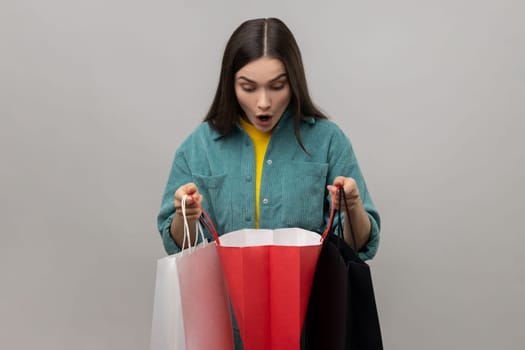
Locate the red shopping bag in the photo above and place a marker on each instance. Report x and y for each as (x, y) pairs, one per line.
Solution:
(269, 275)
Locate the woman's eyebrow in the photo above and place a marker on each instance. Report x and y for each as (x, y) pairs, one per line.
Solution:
(271, 81)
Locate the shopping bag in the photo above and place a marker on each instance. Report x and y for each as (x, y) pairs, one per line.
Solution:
(191, 307)
(268, 274)
(205, 304)
(167, 329)
(325, 325)
(342, 312)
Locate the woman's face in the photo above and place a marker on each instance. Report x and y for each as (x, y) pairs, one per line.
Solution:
(263, 92)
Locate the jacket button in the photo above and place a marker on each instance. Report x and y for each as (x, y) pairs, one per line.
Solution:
(265, 201)
(269, 162)
(248, 178)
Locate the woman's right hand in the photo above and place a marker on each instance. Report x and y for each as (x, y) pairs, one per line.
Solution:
(193, 211)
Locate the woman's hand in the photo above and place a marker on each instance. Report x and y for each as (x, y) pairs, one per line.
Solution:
(361, 225)
(351, 192)
(193, 211)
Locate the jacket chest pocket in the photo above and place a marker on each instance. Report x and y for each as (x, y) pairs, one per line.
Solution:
(303, 195)
(216, 199)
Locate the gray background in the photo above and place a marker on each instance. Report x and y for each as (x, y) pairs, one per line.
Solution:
(95, 96)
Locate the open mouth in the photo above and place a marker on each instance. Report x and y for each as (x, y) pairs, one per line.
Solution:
(264, 117)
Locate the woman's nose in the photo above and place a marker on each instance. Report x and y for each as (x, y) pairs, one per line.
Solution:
(264, 102)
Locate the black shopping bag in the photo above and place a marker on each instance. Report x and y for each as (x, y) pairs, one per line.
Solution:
(342, 312)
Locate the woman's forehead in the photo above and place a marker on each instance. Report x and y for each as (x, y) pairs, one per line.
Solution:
(262, 70)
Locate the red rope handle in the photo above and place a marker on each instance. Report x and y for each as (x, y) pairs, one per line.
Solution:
(330, 222)
(206, 221)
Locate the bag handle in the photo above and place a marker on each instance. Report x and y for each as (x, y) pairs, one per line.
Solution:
(341, 194)
(330, 223)
(208, 223)
(198, 228)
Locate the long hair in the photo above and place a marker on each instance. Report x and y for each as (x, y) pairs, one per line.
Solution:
(253, 39)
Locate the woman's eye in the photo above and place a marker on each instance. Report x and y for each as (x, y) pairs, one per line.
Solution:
(278, 87)
(248, 88)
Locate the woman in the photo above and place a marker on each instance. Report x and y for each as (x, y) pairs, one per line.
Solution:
(265, 156)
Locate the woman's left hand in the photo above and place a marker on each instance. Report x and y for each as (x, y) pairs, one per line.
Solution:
(351, 192)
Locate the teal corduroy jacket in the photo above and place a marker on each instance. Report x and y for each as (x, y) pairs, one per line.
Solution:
(293, 183)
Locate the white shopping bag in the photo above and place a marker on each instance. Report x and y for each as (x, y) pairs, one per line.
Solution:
(191, 307)
(167, 329)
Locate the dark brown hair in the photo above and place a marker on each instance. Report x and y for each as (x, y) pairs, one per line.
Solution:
(254, 39)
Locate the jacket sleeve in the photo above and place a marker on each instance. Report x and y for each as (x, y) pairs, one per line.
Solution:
(179, 175)
(343, 162)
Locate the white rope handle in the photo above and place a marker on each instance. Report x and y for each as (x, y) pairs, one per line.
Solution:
(186, 226)
(198, 229)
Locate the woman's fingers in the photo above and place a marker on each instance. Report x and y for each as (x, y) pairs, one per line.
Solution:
(193, 210)
(351, 191)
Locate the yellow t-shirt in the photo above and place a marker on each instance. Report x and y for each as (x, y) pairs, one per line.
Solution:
(260, 142)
